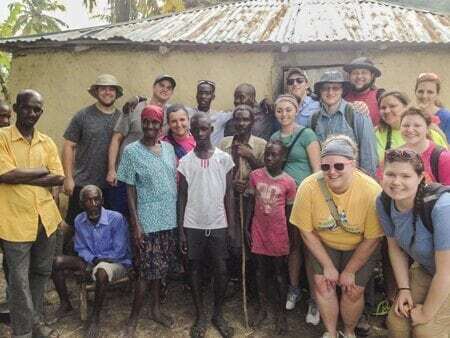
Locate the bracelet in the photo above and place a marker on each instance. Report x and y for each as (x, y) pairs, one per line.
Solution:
(400, 289)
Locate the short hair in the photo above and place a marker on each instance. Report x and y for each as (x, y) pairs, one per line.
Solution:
(87, 188)
(200, 115)
(247, 86)
(244, 107)
(279, 143)
(430, 77)
(174, 108)
(26, 93)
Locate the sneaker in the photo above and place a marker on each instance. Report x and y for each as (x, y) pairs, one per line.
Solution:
(328, 335)
(346, 335)
(293, 297)
(313, 314)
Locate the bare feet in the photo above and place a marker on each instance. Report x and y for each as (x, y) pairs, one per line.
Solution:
(260, 316)
(64, 310)
(162, 319)
(225, 330)
(198, 330)
(93, 330)
(281, 327)
(130, 329)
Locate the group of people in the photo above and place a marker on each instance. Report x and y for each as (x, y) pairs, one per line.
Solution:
(323, 185)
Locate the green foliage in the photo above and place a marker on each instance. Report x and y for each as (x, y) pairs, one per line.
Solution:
(27, 17)
(126, 10)
(33, 17)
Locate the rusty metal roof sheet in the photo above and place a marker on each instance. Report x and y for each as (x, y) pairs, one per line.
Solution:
(293, 22)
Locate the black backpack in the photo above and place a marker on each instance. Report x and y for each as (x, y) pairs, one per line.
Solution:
(431, 195)
(434, 161)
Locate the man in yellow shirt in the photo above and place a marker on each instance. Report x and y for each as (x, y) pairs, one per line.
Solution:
(335, 212)
(29, 166)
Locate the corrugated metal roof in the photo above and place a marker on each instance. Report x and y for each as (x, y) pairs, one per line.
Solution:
(266, 22)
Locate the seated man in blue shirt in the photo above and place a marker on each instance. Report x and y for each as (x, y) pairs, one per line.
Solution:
(102, 243)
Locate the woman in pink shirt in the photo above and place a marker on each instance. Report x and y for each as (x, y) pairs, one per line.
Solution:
(414, 129)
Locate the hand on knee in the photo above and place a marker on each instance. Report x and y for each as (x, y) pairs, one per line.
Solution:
(353, 294)
(322, 288)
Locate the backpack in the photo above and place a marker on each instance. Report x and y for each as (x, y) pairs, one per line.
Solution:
(431, 195)
(434, 161)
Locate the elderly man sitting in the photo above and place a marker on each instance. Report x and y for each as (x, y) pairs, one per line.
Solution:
(102, 243)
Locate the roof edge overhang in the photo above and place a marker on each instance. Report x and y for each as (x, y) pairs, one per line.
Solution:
(86, 45)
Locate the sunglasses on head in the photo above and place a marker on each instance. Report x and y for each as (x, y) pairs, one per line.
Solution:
(299, 80)
(337, 166)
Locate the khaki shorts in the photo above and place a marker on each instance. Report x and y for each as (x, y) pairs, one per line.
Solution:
(340, 260)
(438, 327)
(115, 271)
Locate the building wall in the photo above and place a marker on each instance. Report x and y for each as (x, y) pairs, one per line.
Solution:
(63, 77)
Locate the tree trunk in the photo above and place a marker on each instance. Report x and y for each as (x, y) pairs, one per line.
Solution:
(122, 11)
(4, 88)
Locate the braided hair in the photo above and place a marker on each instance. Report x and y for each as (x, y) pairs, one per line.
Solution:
(418, 203)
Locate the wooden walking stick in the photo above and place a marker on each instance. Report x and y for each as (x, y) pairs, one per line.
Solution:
(241, 214)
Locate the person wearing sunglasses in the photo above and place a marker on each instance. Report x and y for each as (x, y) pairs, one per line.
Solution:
(335, 212)
(297, 84)
(422, 306)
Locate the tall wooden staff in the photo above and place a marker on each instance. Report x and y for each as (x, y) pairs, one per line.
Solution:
(241, 214)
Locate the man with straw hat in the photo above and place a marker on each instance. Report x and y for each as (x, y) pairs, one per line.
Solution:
(86, 142)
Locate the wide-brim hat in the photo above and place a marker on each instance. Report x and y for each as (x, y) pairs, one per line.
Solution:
(362, 63)
(165, 77)
(332, 76)
(106, 80)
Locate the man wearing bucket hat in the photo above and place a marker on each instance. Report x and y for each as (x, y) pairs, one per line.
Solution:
(297, 84)
(335, 212)
(86, 142)
(362, 74)
(128, 129)
(337, 116)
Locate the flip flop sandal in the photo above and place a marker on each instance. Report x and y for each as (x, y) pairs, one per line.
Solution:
(221, 325)
(198, 330)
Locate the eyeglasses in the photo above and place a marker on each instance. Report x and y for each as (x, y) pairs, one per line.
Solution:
(326, 88)
(339, 166)
(297, 80)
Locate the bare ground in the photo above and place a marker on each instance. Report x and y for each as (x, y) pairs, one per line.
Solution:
(179, 305)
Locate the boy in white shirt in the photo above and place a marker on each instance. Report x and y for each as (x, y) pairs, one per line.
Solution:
(206, 219)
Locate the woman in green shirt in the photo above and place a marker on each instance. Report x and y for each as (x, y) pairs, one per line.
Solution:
(392, 105)
(303, 159)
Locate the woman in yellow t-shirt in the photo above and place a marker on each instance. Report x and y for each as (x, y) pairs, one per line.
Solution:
(335, 212)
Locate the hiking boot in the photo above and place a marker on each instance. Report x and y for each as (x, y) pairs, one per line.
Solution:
(313, 314)
(293, 297)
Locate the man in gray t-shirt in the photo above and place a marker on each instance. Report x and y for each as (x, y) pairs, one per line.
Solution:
(86, 142)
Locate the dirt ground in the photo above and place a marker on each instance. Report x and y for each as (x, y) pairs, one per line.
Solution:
(179, 305)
